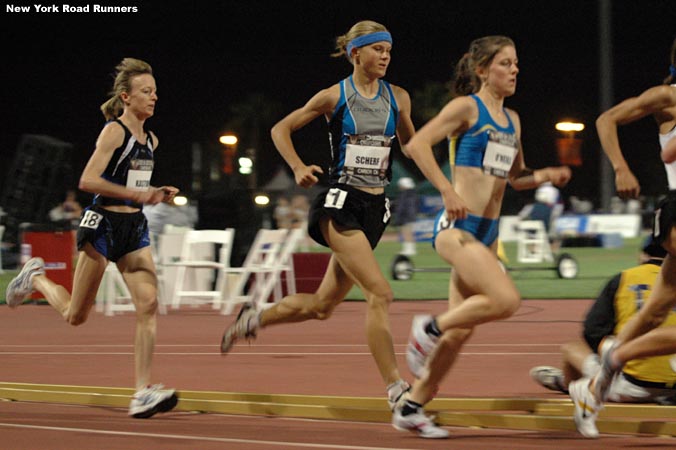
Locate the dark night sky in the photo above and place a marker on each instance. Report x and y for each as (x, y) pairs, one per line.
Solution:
(206, 56)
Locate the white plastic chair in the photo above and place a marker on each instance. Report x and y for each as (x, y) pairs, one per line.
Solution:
(533, 242)
(260, 266)
(283, 264)
(114, 296)
(168, 251)
(193, 259)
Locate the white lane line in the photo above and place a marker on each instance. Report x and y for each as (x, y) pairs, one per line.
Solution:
(195, 438)
(253, 345)
(265, 353)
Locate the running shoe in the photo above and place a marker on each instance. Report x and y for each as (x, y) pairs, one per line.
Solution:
(586, 408)
(418, 423)
(396, 392)
(605, 376)
(420, 346)
(245, 326)
(549, 377)
(21, 286)
(152, 400)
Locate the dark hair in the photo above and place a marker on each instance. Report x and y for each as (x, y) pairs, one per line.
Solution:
(672, 78)
(480, 54)
(653, 248)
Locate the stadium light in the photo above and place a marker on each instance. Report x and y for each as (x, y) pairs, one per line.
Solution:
(262, 200)
(569, 147)
(228, 139)
(180, 200)
(570, 126)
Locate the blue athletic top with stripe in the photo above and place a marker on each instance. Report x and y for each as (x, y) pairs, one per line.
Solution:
(469, 148)
(131, 165)
(361, 132)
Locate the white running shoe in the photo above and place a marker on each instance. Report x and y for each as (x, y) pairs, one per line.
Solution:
(21, 286)
(245, 326)
(605, 376)
(152, 400)
(420, 346)
(419, 423)
(396, 392)
(586, 408)
(549, 377)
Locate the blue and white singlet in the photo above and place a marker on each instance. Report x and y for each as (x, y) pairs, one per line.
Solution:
(131, 166)
(361, 131)
(486, 144)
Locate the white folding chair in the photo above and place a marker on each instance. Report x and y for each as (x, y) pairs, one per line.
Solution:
(283, 264)
(260, 263)
(193, 259)
(168, 251)
(533, 242)
(114, 296)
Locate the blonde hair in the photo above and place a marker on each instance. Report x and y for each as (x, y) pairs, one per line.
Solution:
(480, 54)
(127, 69)
(358, 29)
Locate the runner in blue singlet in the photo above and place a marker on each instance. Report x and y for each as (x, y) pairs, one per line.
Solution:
(486, 155)
(114, 229)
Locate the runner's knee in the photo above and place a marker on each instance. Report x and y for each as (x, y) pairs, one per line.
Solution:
(507, 304)
(380, 297)
(147, 306)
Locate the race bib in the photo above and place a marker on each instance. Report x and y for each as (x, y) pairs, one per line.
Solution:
(366, 160)
(139, 174)
(91, 219)
(443, 222)
(139, 180)
(335, 198)
(498, 159)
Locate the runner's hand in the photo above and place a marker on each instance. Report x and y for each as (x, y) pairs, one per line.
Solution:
(454, 205)
(305, 175)
(626, 184)
(169, 193)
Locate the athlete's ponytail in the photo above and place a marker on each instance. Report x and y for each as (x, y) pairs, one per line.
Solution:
(480, 55)
(358, 29)
(125, 71)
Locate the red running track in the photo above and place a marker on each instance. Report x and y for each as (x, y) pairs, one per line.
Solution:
(320, 358)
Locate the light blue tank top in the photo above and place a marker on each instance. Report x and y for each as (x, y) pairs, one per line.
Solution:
(469, 149)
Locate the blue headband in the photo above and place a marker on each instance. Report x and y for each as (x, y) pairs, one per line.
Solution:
(672, 71)
(368, 39)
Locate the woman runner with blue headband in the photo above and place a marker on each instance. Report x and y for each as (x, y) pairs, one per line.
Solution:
(365, 115)
(640, 338)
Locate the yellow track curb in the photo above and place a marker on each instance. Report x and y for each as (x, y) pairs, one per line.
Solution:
(522, 414)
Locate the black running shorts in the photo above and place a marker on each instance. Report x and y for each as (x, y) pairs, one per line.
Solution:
(352, 209)
(111, 233)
